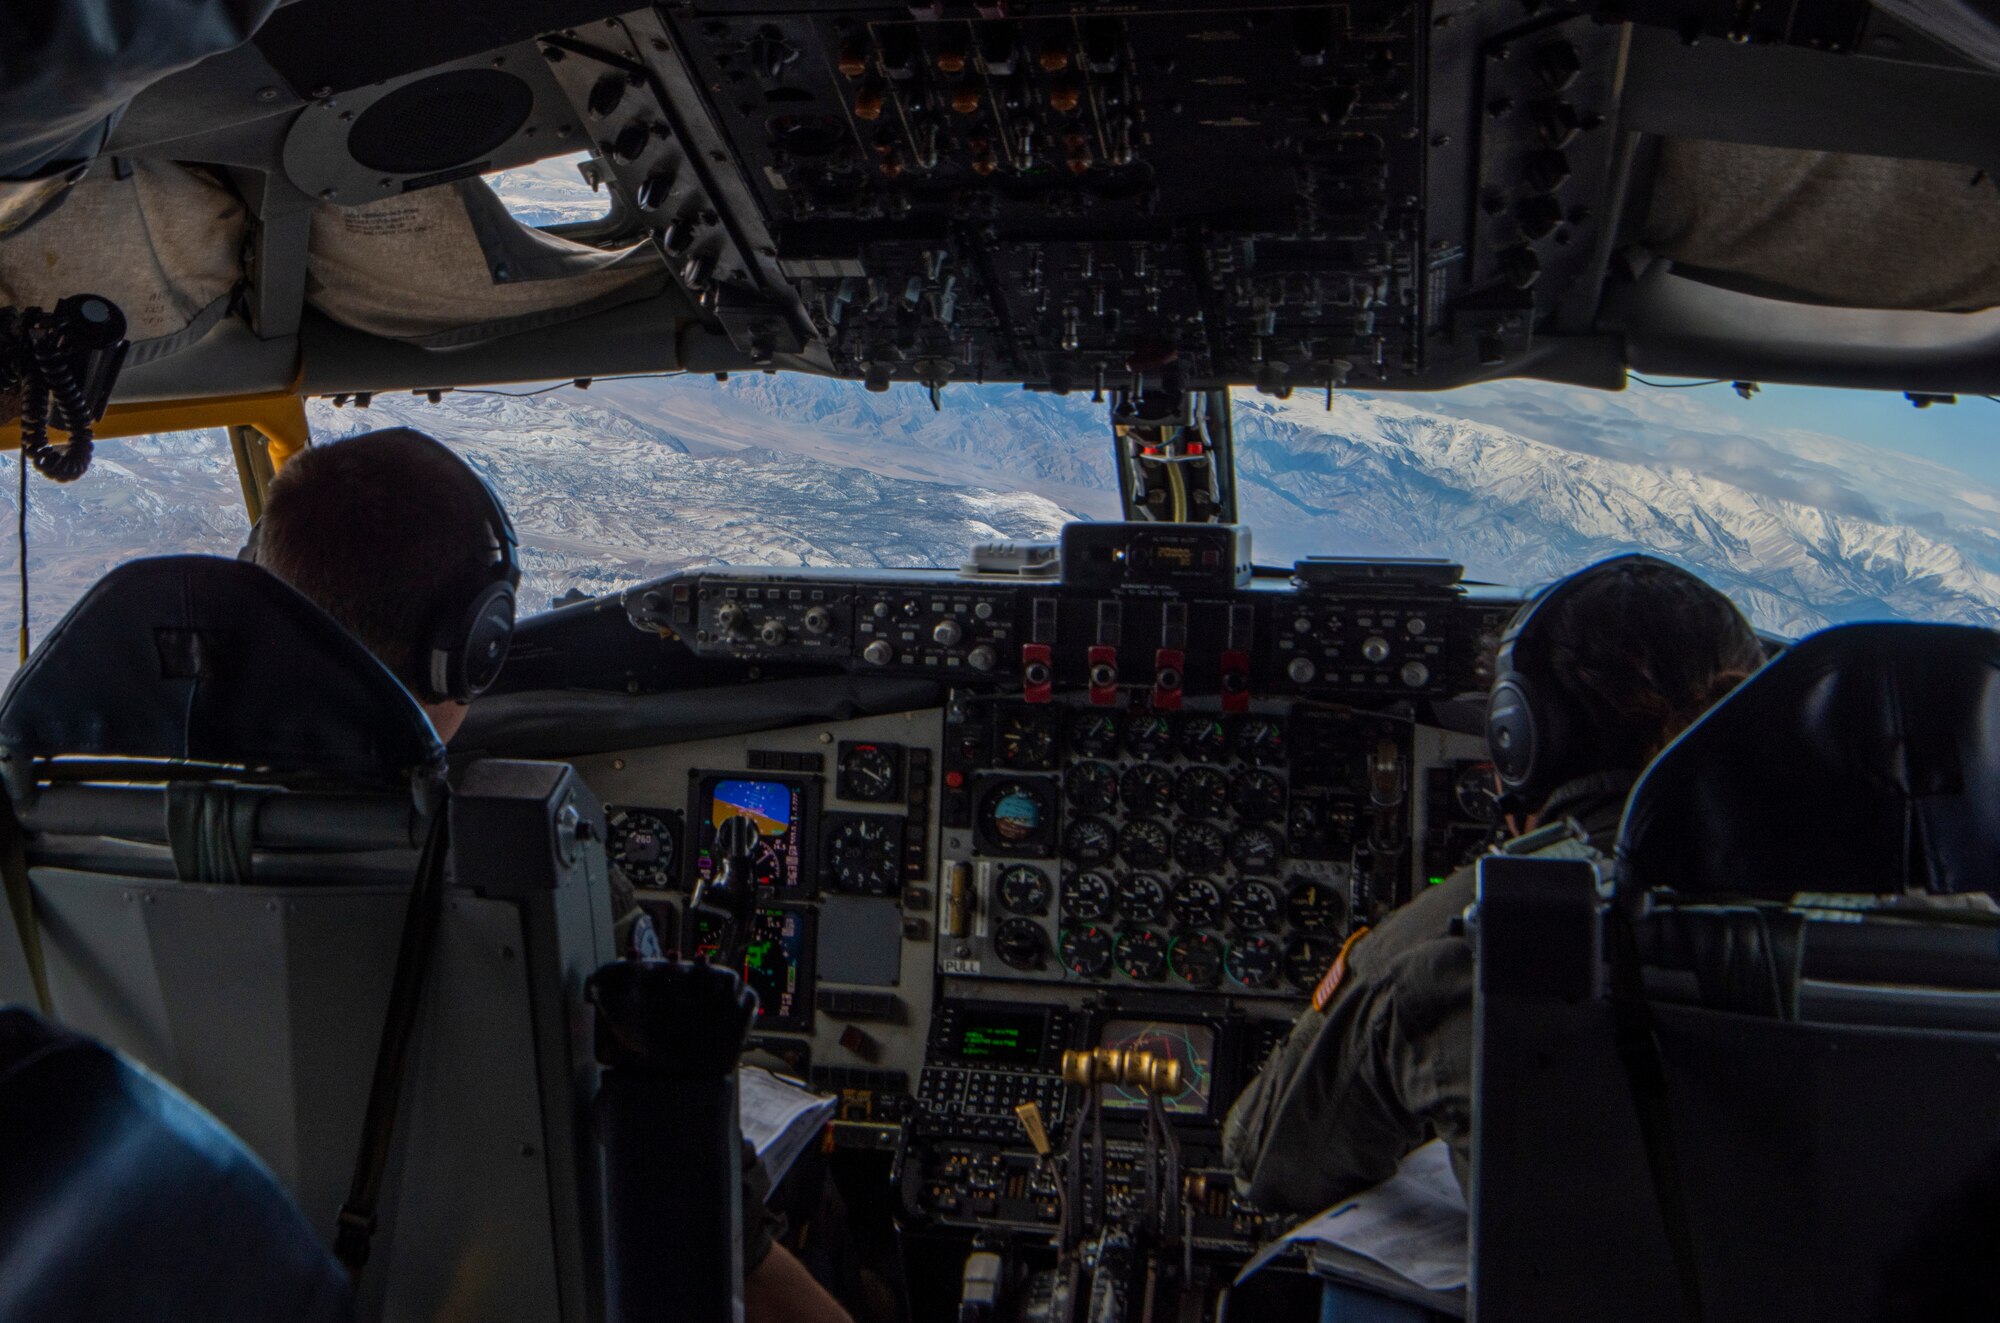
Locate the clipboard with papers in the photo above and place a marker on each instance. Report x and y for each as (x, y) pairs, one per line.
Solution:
(1407, 1238)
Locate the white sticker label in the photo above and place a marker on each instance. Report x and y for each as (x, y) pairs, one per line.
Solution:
(959, 966)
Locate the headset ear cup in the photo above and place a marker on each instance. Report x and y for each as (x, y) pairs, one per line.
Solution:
(1512, 736)
(488, 637)
(467, 651)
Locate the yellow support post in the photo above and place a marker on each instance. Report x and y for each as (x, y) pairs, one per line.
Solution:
(279, 415)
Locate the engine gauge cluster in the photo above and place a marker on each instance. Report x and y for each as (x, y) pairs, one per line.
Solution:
(1176, 851)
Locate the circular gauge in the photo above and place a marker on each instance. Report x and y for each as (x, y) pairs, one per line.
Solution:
(1478, 798)
(1203, 738)
(1027, 738)
(1086, 951)
(1262, 741)
(1253, 962)
(1314, 907)
(1086, 896)
(1142, 955)
(1201, 792)
(1256, 850)
(1258, 797)
(641, 846)
(1253, 907)
(1091, 787)
(1199, 847)
(1141, 898)
(1308, 958)
(1144, 844)
(1146, 736)
(1025, 890)
(1017, 817)
(1196, 958)
(1094, 734)
(1021, 943)
(864, 854)
(1196, 902)
(1090, 841)
(1147, 790)
(868, 772)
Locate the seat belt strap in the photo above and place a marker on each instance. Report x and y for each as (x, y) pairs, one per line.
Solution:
(21, 901)
(356, 1224)
(1646, 1073)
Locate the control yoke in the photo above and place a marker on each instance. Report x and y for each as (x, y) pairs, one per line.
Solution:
(729, 897)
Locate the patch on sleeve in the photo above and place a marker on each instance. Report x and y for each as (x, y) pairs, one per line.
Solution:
(1336, 973)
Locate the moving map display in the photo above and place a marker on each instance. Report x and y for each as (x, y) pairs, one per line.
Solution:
(1193, 1045)
(782, 816)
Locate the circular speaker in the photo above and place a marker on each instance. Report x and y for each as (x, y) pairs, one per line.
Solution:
(441, 122)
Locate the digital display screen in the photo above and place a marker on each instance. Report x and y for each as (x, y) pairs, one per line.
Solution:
(1193, 1045)
(999, 1038)
(780, 813)
(777, 964)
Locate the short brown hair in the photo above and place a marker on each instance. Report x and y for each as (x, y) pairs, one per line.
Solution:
(378, 529)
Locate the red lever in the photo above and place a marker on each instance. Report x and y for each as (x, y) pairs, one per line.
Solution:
(1037, 674)
(1103, 675)
(1235, 682)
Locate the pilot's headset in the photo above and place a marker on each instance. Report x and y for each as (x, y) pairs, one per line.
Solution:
(474, 624)
(1539, 733)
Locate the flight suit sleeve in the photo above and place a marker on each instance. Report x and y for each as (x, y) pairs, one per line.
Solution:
(1365, 1077)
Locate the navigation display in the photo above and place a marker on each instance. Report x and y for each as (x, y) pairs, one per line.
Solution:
(1193, 1045)
(777, 964)
(998, 1038)
(782, 813)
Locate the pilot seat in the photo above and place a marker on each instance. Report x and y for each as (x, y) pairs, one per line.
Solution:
(237, 858)
(1753, 1071)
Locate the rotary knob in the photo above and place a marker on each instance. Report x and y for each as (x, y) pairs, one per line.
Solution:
(818, 620)
(1301, 670)
(878, 653)
(1416, 675)
(771, 633)
(729, 618)
(1375, 648)
(948, 633)
(982, 658)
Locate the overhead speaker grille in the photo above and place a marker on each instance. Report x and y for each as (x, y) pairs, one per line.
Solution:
(441, 123)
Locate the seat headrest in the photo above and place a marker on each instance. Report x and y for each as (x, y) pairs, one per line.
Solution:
(202, 659)
(1865, 760)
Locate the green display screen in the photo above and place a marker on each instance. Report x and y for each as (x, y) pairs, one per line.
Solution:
(1000, 1038)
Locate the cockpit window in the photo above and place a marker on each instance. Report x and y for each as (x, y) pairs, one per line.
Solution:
(160, 495)
(1809, 506)
(557, 192)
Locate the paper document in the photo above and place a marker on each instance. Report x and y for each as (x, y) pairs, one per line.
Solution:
(1415, 1224)
(778, 1117)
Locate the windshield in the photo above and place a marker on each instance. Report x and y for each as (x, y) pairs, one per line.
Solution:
(1808, 506)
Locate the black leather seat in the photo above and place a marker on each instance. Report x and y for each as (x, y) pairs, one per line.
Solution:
(120, 1199)
(1864, 760)
(1762, 1027)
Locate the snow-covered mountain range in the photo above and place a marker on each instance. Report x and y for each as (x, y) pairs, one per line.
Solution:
(634, 478)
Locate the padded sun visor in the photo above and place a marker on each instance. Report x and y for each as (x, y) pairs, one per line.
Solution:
(449, 266)
(208, 660)
(1827, 227)
(1866, 760)
(165, 243)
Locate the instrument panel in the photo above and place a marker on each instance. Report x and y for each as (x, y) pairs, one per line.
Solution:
(1139, 817)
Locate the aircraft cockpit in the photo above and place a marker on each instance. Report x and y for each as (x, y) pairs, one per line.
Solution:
(1014, 528)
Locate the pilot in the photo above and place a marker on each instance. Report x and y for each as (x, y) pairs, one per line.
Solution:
(1595, 676)
(376, 529)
